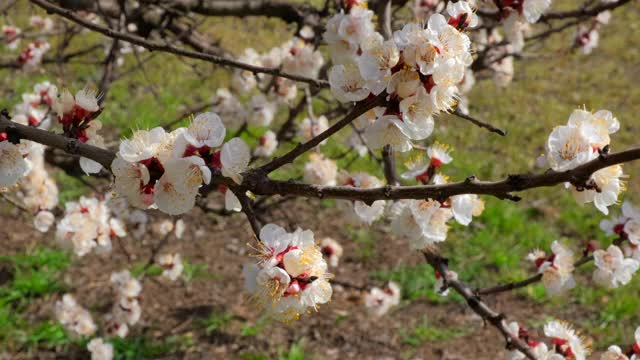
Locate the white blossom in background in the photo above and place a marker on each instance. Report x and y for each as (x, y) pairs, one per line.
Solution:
(234, 158)
(569, 342)
(31, 56)
(11, 36)
(379, 301)
(320, 170)
(312, 127)
(100, 350)
(42, 23)
(291, 276)
(244, 80)
(612, 268)
(229, 108)
(74, 317)
(87, 225)
(332, 251)
(262, 111)
(126, 310)
(267, 145)
(171, 265)
(556, 269)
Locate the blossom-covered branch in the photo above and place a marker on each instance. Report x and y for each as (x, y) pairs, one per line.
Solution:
(156, 46)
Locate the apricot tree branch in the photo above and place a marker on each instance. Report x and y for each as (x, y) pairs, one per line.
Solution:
(585, 259)
(475, 303)
(156, 46)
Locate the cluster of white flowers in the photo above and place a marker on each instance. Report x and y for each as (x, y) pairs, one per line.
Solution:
(171, 265)
(297, 56)
(87, 225)
(74, 317)
(424, 222)
(581, 140)
(36, 107)
(556, 269)
(379, 301)
(267, 144)
(419, 69)
(291, 276)
(165, 170)
(126, 310)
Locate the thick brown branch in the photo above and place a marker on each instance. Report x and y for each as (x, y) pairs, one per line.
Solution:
(156, 46)
(475, 303)
(71, 146)
(501, 189)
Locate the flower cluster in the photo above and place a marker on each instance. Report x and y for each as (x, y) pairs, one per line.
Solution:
(379, 301)
(165, 170)
(88, 225)
(585, 136)
(424, 222)
(11, 36)
(31, 56)
(291, 276)
(126, 310)
(297, 56)
(74, 317)
(419, 69)
(320, 170)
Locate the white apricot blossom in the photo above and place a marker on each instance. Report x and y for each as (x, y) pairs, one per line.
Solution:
(320, 170)
(613, 269)
(267, 144)
(171, 265)
(312, 127)
(569, 342)
(291, 276)
(379, 301)
(556, 269)
(234, 158)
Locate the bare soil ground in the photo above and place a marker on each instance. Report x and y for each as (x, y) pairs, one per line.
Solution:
(340, 330)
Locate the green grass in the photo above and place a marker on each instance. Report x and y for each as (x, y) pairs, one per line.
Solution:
(32, 275)
(425, 332)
